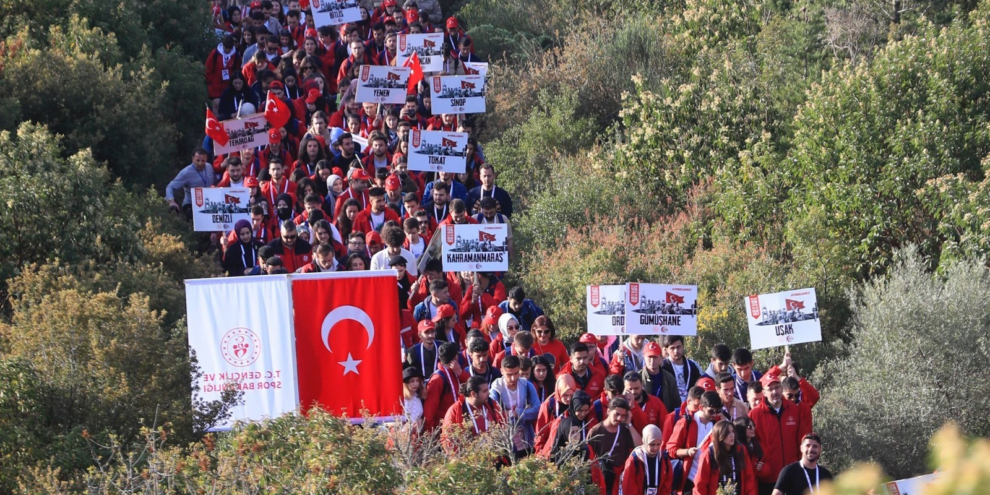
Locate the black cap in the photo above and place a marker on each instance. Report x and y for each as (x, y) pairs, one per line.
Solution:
(409, 373)
(397, 260)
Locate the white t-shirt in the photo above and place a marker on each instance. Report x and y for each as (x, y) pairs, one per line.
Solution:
(417, 249)
(380, 261)
(703, 431)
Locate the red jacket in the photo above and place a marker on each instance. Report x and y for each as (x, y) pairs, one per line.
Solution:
(349, 193)
(300, 254)
(423, 291)
(685, 436)
(489, 415)
(550, 410)
(809, 394)
(362, 221)
(547, 449)
(439, 396)
(471, 310)
(450, 220)
(595, 385)
(634, 475)
(555, 348)
(654, 413)
(670, 420)
(707, 477)
(780, 436)
(270, 191)
(215, 82)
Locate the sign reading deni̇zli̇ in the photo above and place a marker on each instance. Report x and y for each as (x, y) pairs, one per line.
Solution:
(334, 12)
(437, 151)
(660, 309)
(383, 84)
(783, 318)
(428, 48)
(243, 133)
(475, 248)
(217, 209)
(457, 94)
(606, 309)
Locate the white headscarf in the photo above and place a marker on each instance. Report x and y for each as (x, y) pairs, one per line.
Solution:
(503, 322)
(650, 433)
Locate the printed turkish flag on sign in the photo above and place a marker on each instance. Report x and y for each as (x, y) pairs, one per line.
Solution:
(215, 129)
(674, 298)
(347, 342)
(415, 75)
(792, 305)
(276, 111)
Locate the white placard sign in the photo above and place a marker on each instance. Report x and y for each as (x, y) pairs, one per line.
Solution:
(457, 94)
(606, 309)
(475, 247)
(335, 12)
(437, 151)
(660, 309)
(217, 209)
(910, 486)
(783, 318)
(241, 331)
(428, 48)
(476, 69)
(243, 133)
(383, 84)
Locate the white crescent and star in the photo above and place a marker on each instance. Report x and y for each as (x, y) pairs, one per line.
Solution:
(347, 313)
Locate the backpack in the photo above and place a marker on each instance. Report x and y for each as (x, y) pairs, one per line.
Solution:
(677, 464)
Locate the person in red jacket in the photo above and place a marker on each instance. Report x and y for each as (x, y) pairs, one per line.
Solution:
(357, 188)
(221, 65)
(688, 408)
(443, 387)
(796, 388)
(475, 411)
(458, 214)
(373, 218)
(553, 408)
(654, 412)
(780, 425)
(278, 184)
(475, 303)
(546, 343)
(648, 467)
(295, 252)
(588, 378)
(690, 437)
(724, 462)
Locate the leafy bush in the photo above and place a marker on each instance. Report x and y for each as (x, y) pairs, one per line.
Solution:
(907, 373)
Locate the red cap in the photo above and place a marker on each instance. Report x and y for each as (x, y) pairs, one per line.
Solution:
(388, 3)
(250, 181)
(274, 136)
(276, 85)
(706, 383)
(312, 33)
(589, 339)
(652, 349)
(312, 96)
(492, 315)
(772, 375)
(360, 174)
(412, 16)
(388, 19)
(443, 311)
(337, 171)
(392, 183)
(322, 141)
(255, 5)
(451, 23)
(426, 325)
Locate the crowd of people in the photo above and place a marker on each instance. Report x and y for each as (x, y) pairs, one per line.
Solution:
(477, 355)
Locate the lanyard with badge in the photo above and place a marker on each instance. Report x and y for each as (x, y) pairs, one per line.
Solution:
(422, 363)
(656, 476)
(244, 256)
(474, 421)
(811, 489)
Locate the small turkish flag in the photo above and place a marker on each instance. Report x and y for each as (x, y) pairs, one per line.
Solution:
(674, 298)
(792, 305)
(415, 75)
(348, 344)
(215, 130)
(276, 111)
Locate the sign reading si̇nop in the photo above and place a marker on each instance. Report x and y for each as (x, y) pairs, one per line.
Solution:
(475, 248)
(659, 309)
(606, 306)
(457, 94)
(783, 318)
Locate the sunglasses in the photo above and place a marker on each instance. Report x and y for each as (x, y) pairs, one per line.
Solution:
(289, 237)
(308, 68)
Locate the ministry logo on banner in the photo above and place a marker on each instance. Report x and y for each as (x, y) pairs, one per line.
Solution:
(240, 330)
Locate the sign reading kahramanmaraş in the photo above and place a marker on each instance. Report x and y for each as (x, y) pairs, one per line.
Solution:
(783, 318)
(383, 84)
(437, 151)
(457, 94)
(475, 248)
(217, 209)
(659, 309)
(606, 309)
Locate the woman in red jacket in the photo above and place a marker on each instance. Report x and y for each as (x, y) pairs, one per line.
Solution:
(648, 469)
(746, 437)
(546, 343)
(723, 463)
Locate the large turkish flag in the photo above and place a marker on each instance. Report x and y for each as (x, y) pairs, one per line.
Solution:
(348, 351)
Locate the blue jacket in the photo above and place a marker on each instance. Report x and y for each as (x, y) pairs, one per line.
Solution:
(530, 311)
(527, 408)
(457, 191)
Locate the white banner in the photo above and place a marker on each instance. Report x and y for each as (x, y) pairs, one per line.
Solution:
(383, 84)
(217, 209)
(437, 151)
(457, 94)
(606, 309)
(243, 133)
(334, 12)
(475, 248)
(911, 486)
(476, 69)
(659, 309)
(428, 47)
(241, 331)
(783, 318)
